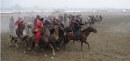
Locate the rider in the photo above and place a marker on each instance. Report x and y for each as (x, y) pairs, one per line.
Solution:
(20, 27)
(89, 18)
(37, 29)
(38, 17)
(77, 27)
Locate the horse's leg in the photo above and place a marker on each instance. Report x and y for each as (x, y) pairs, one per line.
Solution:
(44, 51)
(65, 42)
(17, 32)
(61, 43)
(35, 48)
(16, 43)
(26, 46)
(10, 41)
(87, 44)
(33, 45)
(81, 45)
(53, 51)
(64, 47)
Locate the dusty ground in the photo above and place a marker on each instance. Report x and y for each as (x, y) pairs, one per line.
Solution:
(110, 43)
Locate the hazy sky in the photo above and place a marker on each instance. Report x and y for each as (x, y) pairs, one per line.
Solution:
(68, 3)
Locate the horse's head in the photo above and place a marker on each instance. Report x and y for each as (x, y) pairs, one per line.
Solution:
(91, 29)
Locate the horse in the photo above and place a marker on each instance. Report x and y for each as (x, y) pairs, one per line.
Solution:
(92, 21)
(29, 44)
(83, 36)
(97, 18)
(21, 34)
(13, 39)
(46, 39)
(28, 27)
(48, 24)
(19, 30)
(25, 36)
(43, 43)
(56, 32)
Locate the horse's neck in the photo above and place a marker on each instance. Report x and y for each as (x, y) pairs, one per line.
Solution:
(56, 31)
(87, 33)
(47, 32)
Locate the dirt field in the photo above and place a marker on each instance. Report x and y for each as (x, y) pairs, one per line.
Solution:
(110, 43)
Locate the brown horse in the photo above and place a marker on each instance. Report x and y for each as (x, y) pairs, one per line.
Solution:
(57, 35)
(46, 39)
(83, 36)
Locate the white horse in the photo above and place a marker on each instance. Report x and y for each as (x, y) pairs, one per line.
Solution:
(28, 28)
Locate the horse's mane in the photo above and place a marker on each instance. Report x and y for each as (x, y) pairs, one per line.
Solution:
(52, 30)
(43, 29)
(67, 29)
(86, 29)
(61, 32)
(47, 22)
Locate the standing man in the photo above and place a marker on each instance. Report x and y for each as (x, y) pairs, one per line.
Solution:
(12, 26)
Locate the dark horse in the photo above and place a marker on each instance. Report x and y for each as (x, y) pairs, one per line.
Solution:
(83, 36)
(51, 38)
(46, 39)
(57, 35)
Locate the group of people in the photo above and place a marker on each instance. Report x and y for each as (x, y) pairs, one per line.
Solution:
(92, 19)
(73, 22)
(52, 30)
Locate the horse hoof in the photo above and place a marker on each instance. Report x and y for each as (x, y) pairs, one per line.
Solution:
(45, 55)
(57, 49)
(35, 53)
(29, 49)
(52, 57)
(42, 50)
(24, 52)
(16, 46)
(9, 45)
(54, 54)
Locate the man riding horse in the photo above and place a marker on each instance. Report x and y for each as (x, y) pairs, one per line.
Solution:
(20, 27)
(75, 25)
(37, 29)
